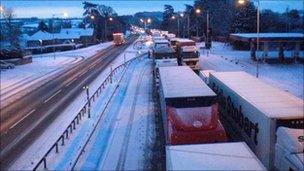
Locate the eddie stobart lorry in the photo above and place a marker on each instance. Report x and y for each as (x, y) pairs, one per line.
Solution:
(255, 110)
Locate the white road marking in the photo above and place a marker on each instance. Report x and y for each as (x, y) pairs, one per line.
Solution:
(69, 83)
(52, 96)
(32, 111)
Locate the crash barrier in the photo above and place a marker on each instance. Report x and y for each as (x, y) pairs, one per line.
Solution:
(84, 112)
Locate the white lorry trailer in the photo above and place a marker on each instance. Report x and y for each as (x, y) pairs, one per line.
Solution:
(217, 156)
(254, 110)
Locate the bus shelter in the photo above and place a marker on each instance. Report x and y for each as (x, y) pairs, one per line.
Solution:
(273, 47)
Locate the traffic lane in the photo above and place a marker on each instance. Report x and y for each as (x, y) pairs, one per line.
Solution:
(17, 107)
(43, 122)
(56, 85)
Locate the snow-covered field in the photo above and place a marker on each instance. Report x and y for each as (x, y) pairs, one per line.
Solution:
(43, 67)
(288, 77)
(35, 152)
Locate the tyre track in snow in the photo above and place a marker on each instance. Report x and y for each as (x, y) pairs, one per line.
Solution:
(126, 139)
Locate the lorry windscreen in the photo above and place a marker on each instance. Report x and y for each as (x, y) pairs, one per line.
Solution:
(186, 102)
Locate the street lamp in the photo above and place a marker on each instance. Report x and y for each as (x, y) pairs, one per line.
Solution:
(258, 34)
(146, 21)
(106, 27)
(178, 22)
(198, 12)
(40, 47)
(53, 18)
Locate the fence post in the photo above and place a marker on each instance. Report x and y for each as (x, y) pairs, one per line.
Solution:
(56, 147)
(74, 125)
(111, 74)
(44, 162)
(67, 134)
(62, 142)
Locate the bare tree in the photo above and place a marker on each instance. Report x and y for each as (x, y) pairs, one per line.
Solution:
(10, 30)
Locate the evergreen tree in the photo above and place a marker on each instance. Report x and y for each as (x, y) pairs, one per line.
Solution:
(245, 18)
(42, 26)
(168, 13)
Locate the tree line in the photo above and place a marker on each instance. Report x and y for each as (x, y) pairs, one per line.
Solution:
(226, 17)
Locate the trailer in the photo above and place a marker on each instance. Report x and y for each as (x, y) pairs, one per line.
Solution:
(189, 108)
(289, 149)
(254, 110)
(118, 39)
(217, 156)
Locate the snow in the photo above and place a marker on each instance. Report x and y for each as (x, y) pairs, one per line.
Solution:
(124, 138)
(43, 68)
(189, 49)
(270, 35)
(40, 35)
(71, 33)
(175, 83)
(35, 151)
(217, 156)
(288, 77)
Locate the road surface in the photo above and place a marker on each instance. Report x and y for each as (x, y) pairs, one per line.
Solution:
(26, 118)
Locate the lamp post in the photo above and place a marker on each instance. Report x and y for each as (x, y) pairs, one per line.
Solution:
(198, 12)
(53, 29)
(40, 47)
(242, 2)
(106, 26)
(178, 22)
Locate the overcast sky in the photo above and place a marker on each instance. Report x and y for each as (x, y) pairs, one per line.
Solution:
(45, 9)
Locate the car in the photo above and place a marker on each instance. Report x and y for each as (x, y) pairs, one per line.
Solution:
(5, 65)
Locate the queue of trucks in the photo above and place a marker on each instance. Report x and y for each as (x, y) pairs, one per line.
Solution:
(204, 113)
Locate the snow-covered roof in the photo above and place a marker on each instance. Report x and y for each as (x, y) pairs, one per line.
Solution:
(161, 41)
(189, 49)
(182, 82)
(182, 40)
(32, 25)
(268, 36)
(70, 33)
(271, 101)
(40, 35)
(163, 49)
(215, 156)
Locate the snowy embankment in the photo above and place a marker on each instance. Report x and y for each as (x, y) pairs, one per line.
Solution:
(43, 67)
(288, 77)
(35, 152)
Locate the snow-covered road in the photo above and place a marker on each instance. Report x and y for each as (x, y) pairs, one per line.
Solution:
(29, 158)
(42, 69)
(124, 139)
(288, 77)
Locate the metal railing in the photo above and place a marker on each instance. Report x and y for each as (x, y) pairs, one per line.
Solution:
(81, 114)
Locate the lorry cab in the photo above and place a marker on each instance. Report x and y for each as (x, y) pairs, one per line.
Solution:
(289, 149)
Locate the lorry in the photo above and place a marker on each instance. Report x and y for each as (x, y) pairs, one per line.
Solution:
(215, 156)
(187, 53)
(253, 110)
(189, 108)
(118, 39)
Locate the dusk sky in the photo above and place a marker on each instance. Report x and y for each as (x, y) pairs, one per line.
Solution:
(45, 9)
